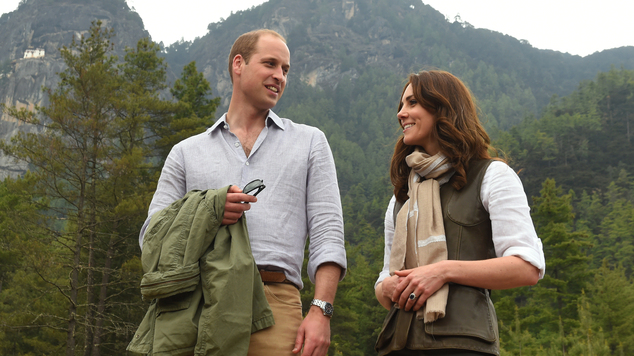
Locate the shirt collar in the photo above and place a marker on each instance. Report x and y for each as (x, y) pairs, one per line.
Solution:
(272, 117)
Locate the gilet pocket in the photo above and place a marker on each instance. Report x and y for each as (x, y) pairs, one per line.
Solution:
(469, 312)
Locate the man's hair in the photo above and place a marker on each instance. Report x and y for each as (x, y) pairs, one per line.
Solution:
(457, 128)
(245, 46)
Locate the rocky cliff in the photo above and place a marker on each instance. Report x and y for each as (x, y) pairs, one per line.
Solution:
(48, 25)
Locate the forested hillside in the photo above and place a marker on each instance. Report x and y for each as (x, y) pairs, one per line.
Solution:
(583, 140)
(69, 257)
(334, 39)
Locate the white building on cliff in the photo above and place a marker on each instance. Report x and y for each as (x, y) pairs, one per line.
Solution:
(34, 53)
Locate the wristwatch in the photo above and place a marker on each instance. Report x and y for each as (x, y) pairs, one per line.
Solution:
(326, 307)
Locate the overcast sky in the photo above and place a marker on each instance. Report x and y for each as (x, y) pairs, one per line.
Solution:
(579, 27)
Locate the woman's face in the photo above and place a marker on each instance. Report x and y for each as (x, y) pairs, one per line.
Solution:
(417, 123)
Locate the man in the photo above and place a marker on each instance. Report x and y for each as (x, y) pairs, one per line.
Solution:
(301, 196)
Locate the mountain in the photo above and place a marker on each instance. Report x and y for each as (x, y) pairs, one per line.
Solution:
(41, 28)
(330, 41)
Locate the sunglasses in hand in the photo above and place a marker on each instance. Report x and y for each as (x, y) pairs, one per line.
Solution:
(254, 187)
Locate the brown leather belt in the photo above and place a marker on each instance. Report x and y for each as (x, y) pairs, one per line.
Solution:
(269, 277)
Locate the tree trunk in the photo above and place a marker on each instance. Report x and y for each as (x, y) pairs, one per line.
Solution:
(74, 283)
(89, 295)
(90, 308)
(74, 275)
(103, 294)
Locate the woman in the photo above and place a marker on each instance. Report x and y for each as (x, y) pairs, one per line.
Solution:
(462, 229)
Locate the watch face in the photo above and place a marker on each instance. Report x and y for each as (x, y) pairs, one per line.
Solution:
(328, 309)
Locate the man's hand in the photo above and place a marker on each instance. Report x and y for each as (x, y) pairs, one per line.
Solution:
(314, 333)
(237, 203)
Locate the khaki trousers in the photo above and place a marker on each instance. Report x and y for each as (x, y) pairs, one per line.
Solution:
(279, 339)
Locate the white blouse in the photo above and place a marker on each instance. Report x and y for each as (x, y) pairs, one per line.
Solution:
(503, 197)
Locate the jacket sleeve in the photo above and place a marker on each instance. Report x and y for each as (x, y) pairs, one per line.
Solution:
(176, 238)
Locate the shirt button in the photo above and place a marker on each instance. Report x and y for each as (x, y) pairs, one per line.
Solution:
(247, 163)
(226, 127)
(237, 144)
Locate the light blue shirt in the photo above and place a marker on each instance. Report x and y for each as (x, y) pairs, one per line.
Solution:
(301, 197)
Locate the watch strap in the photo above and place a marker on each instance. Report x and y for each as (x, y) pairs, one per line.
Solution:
(325, 307)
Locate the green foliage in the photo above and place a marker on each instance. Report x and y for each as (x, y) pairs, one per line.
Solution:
(25, 298)
(171, 123)
(589, 340)
(565, 251)
(196, 111)
(359, 119)
(587, 132)
(584, 142)
(611, 307)
(90, 163)
(516, 341)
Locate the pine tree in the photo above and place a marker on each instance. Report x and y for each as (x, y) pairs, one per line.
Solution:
(611, 302)
(554, 299)
(517, 341)
(590, 339)
(194, 111)
(90, 162)
(25, 298)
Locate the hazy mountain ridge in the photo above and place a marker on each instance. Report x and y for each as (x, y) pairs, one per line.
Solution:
(329, 40)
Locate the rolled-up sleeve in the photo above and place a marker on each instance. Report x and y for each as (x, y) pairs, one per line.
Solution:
(323, 209)
(514, 234)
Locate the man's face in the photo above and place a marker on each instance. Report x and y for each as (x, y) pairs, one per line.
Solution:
(263, 79)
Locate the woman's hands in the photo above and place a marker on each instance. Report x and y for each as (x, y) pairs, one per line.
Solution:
(496, 273)
(422, 281)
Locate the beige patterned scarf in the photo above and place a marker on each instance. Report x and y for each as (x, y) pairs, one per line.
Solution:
(419, 236)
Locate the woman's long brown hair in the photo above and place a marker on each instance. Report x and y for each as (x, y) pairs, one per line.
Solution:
(461, 137)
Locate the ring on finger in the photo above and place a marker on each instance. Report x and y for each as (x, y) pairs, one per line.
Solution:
(412, 296)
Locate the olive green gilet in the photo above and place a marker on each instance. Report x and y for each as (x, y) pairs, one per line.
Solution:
(470, 322)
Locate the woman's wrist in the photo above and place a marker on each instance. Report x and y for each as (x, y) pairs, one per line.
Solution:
(444, 270)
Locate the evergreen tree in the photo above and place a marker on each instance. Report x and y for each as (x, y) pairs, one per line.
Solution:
(612, 306)
(26, 300)
(590, 340)
(555, 297)
(516, 341)
(194, 111)
(615, 240)
(89, 161)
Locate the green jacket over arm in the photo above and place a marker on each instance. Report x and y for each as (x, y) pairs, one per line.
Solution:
(206, 291)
